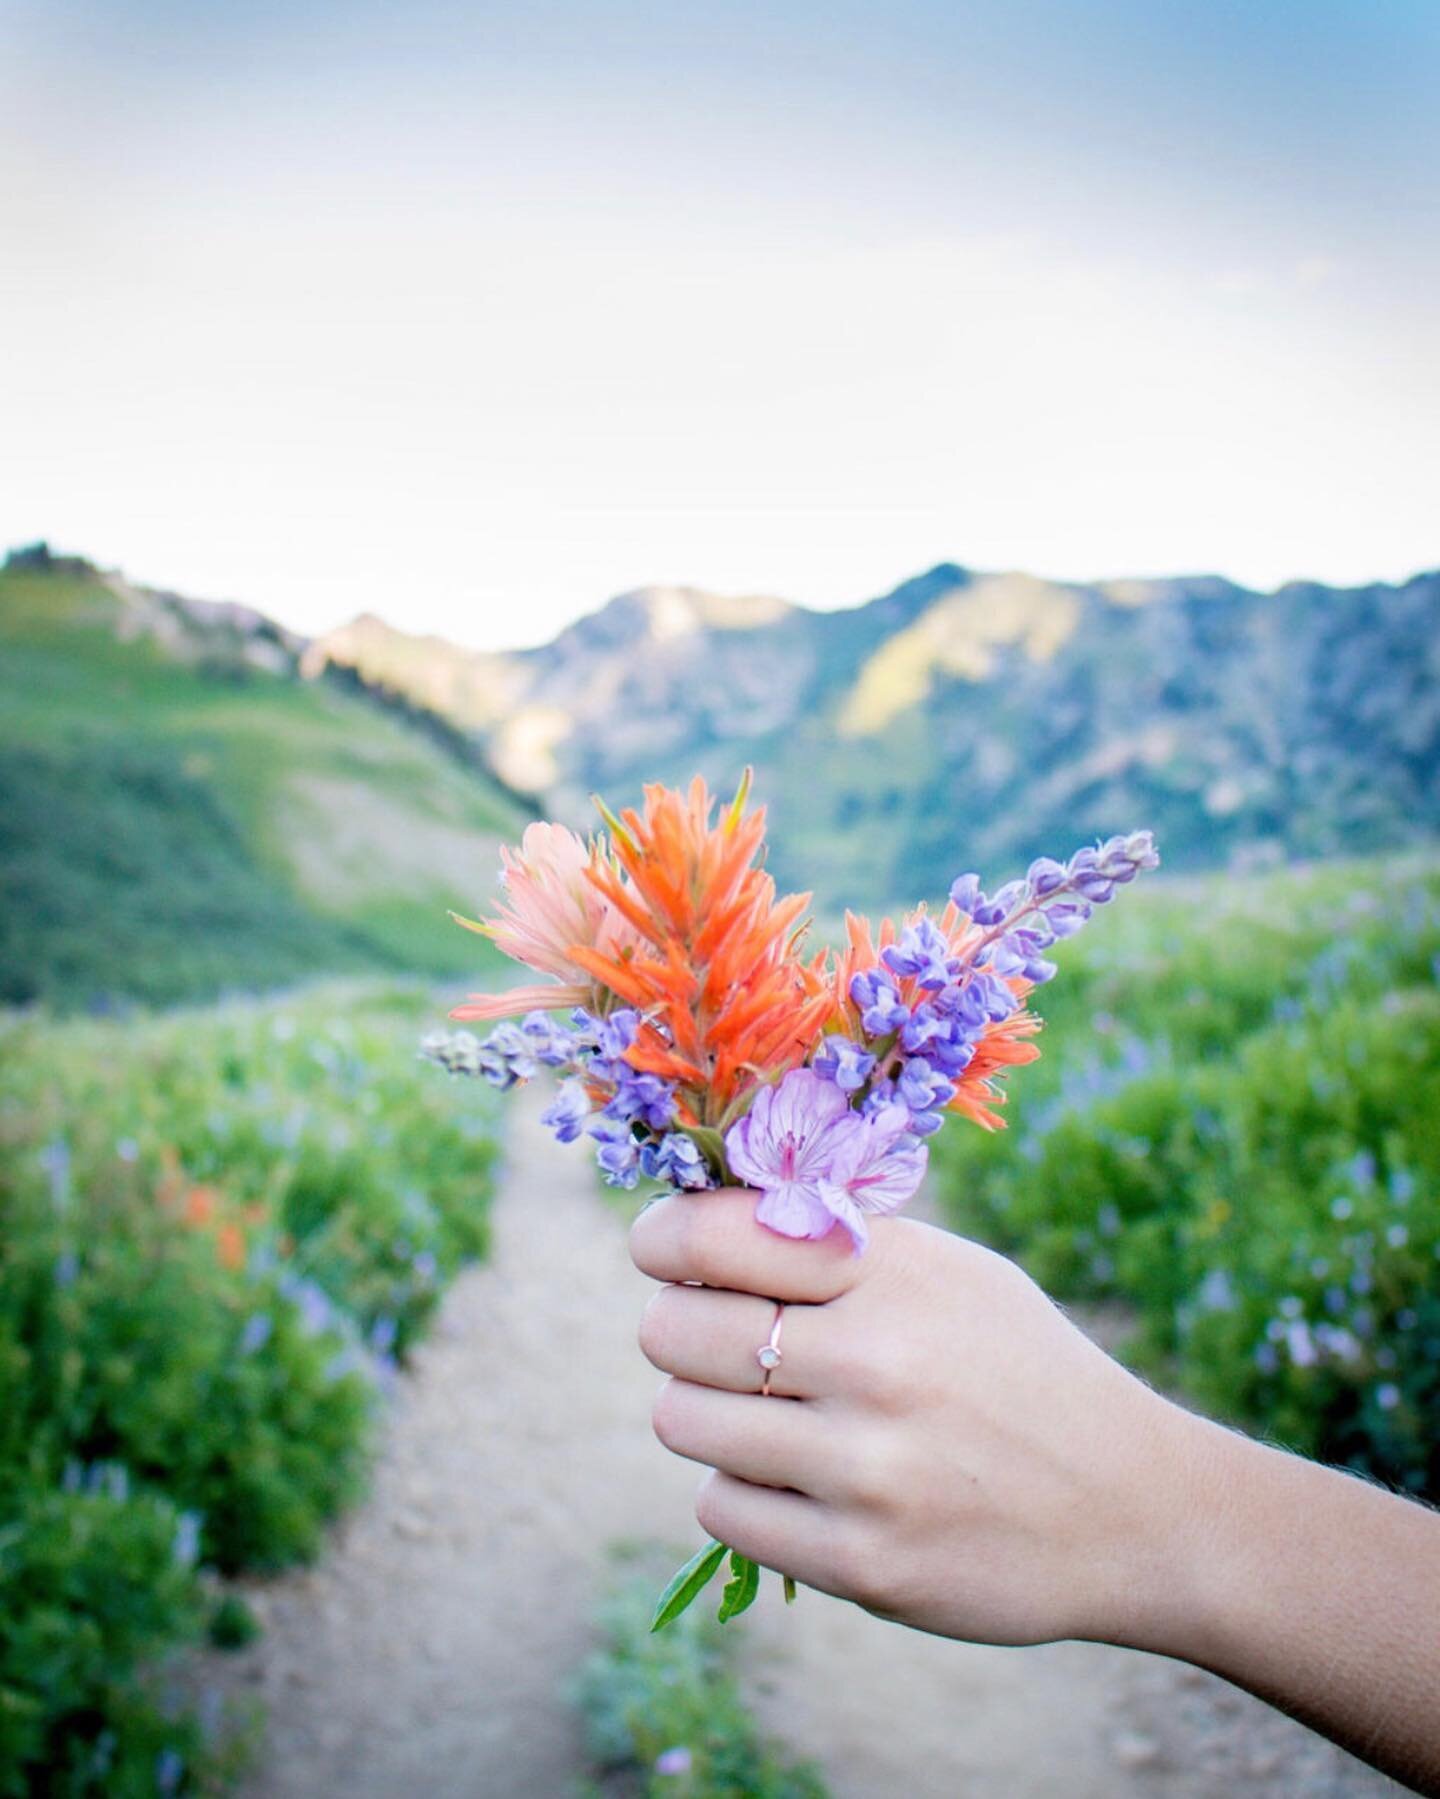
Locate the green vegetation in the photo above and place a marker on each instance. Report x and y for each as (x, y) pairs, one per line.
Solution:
(1233, 1134)
(218, 1231)
(664, 1714)
(182, 814)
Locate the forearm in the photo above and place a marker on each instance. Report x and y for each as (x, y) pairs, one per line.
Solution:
(1313, 1590)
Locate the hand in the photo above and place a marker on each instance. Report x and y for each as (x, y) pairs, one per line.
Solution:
(941, 1444)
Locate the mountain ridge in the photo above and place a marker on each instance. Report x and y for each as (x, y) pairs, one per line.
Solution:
(981, 713)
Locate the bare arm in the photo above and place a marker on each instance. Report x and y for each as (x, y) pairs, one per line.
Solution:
(950, 1451)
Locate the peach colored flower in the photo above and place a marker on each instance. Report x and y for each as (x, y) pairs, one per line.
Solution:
(550, 906)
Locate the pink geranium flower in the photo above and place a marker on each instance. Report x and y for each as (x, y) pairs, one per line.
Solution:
(550, 907)
(817, 1163)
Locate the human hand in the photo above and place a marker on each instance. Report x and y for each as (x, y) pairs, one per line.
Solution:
(940, 1445)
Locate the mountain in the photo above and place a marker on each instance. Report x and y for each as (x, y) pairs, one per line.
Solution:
(973, 718)
(181, 811)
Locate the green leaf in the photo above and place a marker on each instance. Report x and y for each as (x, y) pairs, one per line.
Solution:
(687, 1583)
(741, 1588)
(789, 1589)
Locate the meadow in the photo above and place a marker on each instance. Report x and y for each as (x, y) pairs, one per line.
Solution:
(222, 1229)
(220, 1233)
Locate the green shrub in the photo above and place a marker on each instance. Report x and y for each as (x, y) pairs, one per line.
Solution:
(218, 1231)
(92, 1584)
(642, 1695)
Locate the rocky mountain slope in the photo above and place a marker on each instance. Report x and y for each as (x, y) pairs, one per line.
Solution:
(974, 718)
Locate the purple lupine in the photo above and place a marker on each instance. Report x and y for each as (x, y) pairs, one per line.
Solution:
(675, 1158)
(567, 1112)
(921, 954)
(618, 1154)
(843, 1062)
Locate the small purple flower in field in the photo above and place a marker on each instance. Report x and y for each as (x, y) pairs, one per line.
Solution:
(67, 1268)
(1387, 1396)
(674, 1761)
(845, 1063)
(382, 1335)
(425, 1265)
(256, 1334)
(567, 1112)
(127, 1149)
(55, 1160)
(186, 1547)
(169, 1771)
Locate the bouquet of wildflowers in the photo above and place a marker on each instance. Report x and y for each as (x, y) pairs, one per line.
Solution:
(700, 1042)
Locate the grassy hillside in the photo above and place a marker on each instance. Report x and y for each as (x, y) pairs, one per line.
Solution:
(181, 813)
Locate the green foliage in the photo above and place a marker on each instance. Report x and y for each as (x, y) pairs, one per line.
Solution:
(125, 877)
(218, 1231)
(181, 814)
(1233, 1134)
(641, 1694)
(90, 1586)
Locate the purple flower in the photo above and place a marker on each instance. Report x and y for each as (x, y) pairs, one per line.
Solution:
(922, 952)
(923, 1088)
(874, 1169)
(1045, 876)
(874, 991)
(647, 1097)
(816, 1163)
(618, 1154)
(674, 1158)
(256, 1334)
(674, 1761)
(784, 1146)
(567, 1113)
(845, 1063)
(965, 894)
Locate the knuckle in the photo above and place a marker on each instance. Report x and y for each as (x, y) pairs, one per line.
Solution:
(654, 1333)
(667, 1415)
(711, 1512)
(877, 1477)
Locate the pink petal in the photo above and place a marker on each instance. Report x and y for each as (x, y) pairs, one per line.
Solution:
(549, 998)
(794, 1210)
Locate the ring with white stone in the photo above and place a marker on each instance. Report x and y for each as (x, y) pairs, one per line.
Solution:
(769, 1354)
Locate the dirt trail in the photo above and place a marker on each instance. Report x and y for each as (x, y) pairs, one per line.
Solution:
(427, 1655)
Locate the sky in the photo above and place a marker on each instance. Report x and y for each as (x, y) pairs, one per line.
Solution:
(473, 315)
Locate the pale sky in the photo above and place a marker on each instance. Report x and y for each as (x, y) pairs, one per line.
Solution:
(475, 315)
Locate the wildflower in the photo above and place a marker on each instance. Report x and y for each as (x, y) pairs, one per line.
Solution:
(618, 1154)
(874, 1168)
(568, 1111)
(674, 1761)
(723, 1000)
(845, 1063)
(257, 1333)
(675, 1158)
(785, 1146)
(186, 1547)
(551, 907)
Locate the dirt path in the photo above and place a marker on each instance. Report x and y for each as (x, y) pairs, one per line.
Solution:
(427, 1655)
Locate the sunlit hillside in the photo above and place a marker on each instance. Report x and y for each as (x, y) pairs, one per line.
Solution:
(183, 813)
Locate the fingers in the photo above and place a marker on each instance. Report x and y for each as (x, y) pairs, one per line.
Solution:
(771, 1442)
(789, 1532)
(710, 1337)
(713, 1238)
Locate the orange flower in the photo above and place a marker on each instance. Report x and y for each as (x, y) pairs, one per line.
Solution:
(200, 1205)
(725, 1000)
(230, 1247)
